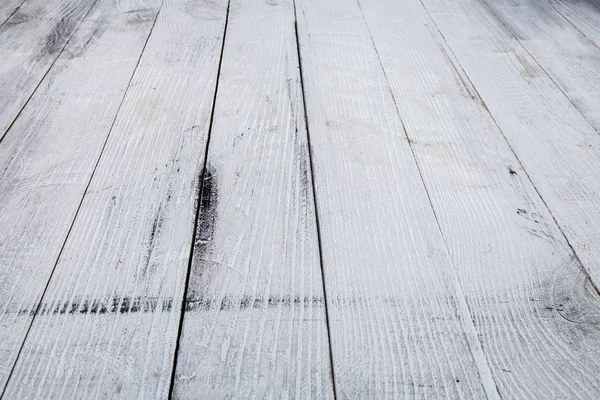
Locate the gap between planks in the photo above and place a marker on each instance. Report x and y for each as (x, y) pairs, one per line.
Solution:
(551, 213)
(10, 125)
(198, 203)
(511, 32)
(87, 185)
(483, 364)
(314, 191)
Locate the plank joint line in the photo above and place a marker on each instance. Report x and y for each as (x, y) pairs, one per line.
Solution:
(512, 33)
(3, 134)
(560, 228)
(35, 313)
(198, 206)
(314, 191)
(483, 366)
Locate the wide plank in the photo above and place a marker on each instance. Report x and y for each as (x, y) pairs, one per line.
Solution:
(556, 145)
(255, 321)
(568, 57)
(398, 321)
(108, 322)
(533, 307)
(583, 14)
(30, 41)
(49, 155)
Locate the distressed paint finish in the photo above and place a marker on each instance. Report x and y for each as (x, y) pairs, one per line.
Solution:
(8, 8)
(399, 326)
(527, 293)
(567, 56)
(583, 14)
(556, 145)
(49, 155)
(255, 323)
(455, 147)
(30, 41)
(120, 278)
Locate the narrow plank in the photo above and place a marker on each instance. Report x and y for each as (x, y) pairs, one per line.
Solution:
(255, 322)
(7, 8)
(110, 315)
(558, 148)
(529, 298)
(48, 157)
(398, 323)
(30, 41)
(583, 14)
(568, 57)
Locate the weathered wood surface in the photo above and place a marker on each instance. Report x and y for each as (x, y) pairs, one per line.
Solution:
(255, 322)
(109, 318)
(583, 14)
(557, 146)
(30, 41)
(527, 293)
(567, 56)
(398, 323)
(48, 156)
(161, 161)
(8, 8)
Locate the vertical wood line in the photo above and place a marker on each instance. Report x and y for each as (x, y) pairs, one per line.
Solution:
(314, 191)
(198, 203)
(84, 192)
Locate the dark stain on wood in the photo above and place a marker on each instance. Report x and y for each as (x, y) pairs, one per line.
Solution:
(60, 32)
(230, 303)
(145, 304)
(114, 305)
(208, 211)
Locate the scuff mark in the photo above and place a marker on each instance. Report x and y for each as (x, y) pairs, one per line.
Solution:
(230, 303)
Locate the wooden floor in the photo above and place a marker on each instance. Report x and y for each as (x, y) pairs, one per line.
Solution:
(351, 199)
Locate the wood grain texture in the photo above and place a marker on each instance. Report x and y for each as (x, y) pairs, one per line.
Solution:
(7, 8)
(532, 304)
(583, 14)
(47, 158)
(110, 315)
(30, 41)
(396, 313)
(255, 320)
(567, 56)
(556, 145)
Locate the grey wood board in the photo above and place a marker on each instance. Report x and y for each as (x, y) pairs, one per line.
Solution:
(398, 320)
(49, 155)
(255, 322)
(526, 291)
(556, 145)
(121, 275)
(30, 41)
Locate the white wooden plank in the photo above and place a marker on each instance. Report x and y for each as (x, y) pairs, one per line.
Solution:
(559, 149)
(113, 304)
(568, 57)
(7, 8)
(255, 321)
(30, 41)
(397, 316)
(583, 14)
(48, 157)
(529, 298)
